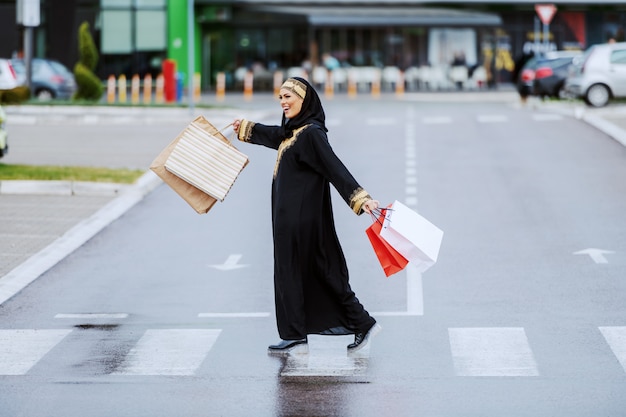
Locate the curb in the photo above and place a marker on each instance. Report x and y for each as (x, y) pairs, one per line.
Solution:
(35, 266)
(27, 187)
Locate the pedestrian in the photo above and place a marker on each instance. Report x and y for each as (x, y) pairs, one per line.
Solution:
(311, 288)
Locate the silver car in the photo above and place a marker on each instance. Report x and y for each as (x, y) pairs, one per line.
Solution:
(599, 75)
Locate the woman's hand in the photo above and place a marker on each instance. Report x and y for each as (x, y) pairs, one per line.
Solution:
(236, 124)
(370, 205)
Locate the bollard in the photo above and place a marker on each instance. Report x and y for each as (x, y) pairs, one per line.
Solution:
(376, 86)
(220, 86)
(278, 81)
(159, 94)
(196, 87)
(400, 84)
(147, 89)
(351, 84)
(111, 89)
(248, 83)
(329, 86)
(134, 89)
(121, 88)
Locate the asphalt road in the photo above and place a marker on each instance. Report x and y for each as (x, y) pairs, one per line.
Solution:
(168, 313)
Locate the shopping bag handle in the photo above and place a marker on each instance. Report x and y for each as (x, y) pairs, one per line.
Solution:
(377, 213)
(226, 127)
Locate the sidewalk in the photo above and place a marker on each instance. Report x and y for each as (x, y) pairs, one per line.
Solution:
(43, 222)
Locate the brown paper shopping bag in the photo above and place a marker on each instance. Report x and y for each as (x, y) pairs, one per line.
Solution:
(199, 200)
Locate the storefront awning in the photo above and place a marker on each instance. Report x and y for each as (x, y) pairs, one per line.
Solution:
(385, 16)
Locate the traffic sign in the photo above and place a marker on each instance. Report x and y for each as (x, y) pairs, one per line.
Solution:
(546, 12)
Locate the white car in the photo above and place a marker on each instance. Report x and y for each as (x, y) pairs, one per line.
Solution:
(599, 75)
(4, 144)
(8, 78)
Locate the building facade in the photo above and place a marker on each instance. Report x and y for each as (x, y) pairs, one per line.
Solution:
(135, 36)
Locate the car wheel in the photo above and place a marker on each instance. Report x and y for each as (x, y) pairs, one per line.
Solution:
(598, 95)
(44, 95)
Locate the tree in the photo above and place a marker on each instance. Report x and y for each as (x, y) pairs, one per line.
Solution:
(89, 85)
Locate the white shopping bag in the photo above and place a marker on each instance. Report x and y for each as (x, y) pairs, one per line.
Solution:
(417, 239)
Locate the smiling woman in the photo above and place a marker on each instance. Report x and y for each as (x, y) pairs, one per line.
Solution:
(312, 289)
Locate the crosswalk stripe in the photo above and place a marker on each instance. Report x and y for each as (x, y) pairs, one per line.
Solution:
(502, 351)
(616, 338)
(21, 349)
(169, 352)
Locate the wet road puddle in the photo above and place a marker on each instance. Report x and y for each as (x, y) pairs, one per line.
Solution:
(327, 357)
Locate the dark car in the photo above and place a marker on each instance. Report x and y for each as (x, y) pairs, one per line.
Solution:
(50, 79)
(544, 75)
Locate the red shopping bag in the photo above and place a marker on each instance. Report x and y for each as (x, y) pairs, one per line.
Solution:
(389, 258)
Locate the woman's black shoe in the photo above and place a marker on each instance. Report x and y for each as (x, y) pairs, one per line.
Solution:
(290, 346)
(361, 339)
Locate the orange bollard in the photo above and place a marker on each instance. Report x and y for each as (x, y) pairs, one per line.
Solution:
(159, 94)
(111, 89)
(376, 86)
(248, 83)
(121, 88)
(196, 87)
(329, 86)
(400, 84)
(220, 86)
(351, 85)
(147, 89)
(278, 81)
(134, 89)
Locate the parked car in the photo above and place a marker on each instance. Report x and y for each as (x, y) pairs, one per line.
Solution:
(4, 144)
(544, 75)
(599, 75)
(8, 77)
(50, 79)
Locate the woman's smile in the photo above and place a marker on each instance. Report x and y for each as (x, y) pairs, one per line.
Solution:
(290, 103)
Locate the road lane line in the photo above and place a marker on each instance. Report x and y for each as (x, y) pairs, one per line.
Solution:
(414, 288)
(169, 352)
(91, 316)
(21, 349)
(498, 351)
(616, 338)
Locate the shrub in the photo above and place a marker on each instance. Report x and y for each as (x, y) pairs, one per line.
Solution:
(89, 86)
(15, 95)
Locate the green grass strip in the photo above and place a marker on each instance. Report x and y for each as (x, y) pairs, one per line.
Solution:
(68, 173)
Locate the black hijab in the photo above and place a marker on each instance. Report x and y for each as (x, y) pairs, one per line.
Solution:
(312, 111)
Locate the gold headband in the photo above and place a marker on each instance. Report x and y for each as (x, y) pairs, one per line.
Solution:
(295, 86)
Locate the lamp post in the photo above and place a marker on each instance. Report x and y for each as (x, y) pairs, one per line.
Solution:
(28, 15)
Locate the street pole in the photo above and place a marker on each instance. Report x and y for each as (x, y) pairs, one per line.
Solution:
(190, 53)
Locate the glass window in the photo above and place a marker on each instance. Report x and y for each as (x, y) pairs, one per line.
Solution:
(151, 3)
(116, 3)
(618, 56)
(151, 33)
(116, 32)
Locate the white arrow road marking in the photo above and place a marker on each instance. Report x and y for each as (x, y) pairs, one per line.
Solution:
(230, 264)
(596, 254)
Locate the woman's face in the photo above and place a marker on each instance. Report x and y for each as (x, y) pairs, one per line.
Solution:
(290, 102)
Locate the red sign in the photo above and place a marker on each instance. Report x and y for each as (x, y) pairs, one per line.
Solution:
(546, 12)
